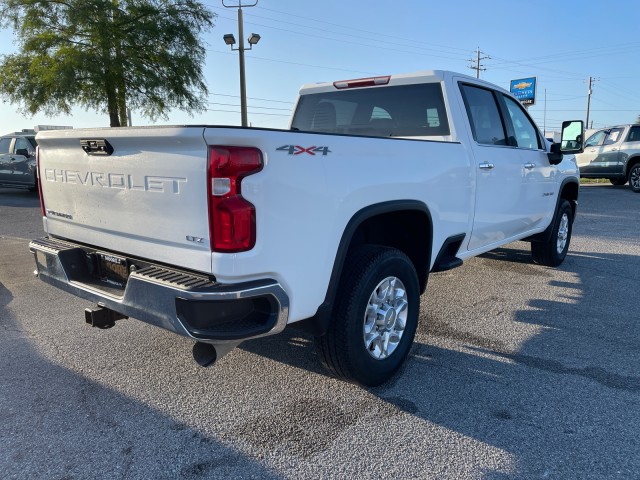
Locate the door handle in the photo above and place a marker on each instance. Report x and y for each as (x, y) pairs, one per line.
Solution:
(529, 166)
(592, 150)
(486, 166)
(614, 149)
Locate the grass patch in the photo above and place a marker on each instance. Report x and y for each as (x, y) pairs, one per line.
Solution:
(584, 181)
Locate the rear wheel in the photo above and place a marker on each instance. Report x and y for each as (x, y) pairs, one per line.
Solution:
(618, 181)
(35, 184)
(375, 317)
(634, 178)
(553, 251)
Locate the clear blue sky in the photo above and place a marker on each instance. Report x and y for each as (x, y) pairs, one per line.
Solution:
(560, 43)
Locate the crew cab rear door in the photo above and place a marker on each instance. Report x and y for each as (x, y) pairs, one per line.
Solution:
(20, 163)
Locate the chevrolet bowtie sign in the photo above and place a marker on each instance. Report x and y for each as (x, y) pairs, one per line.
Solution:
(524, 89)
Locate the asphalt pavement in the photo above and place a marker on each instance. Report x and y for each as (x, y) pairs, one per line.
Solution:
(518, 371)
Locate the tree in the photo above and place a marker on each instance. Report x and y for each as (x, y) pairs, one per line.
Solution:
(106, 55)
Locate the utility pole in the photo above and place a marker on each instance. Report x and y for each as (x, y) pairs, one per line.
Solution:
(544, 121)
(591, 80)
(475, 63)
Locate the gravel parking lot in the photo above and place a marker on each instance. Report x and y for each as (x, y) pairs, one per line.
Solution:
(518, 371)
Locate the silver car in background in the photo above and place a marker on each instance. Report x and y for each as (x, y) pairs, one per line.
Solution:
(613, 153)
(18, 160)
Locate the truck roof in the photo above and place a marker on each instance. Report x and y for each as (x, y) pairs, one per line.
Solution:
(23, 133)
(424, 76)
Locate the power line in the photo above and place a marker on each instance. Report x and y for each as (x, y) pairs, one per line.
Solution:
(252, 113)
(251, 98)
(342, 41)
(352, 29)
(252, 106)
(303, 64)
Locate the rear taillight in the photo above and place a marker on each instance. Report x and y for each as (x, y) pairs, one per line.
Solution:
(232, 219)
(39, 179)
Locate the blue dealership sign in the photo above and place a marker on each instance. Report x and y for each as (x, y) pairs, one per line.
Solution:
(524, 89)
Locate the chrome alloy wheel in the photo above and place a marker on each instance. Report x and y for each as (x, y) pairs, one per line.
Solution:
(563, 233)
(385, 318)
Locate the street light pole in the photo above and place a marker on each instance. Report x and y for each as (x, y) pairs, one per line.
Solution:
(243, 82)
(230, 40)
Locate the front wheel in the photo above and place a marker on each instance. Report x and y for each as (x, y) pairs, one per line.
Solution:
(634, 178)
(552, 252)
(618, 181)
(375, 317)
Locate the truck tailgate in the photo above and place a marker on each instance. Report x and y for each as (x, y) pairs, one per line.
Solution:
(148, 197)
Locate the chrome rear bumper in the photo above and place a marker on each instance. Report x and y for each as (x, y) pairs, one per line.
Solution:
(183, 302)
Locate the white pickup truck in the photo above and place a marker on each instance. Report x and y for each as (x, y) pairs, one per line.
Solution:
(223, 234)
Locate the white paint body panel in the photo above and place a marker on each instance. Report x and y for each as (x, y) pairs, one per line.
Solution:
(303, 202)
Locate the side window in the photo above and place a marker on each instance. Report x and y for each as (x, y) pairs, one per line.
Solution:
(613, 136)
(5, 144)
(526, 132)
(23, 143)
(484, 115)
(595, 139)
(634, 134)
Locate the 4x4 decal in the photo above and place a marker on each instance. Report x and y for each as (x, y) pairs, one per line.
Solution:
(297, 150)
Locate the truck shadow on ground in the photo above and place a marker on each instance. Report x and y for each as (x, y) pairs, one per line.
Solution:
(55, 423)
(564, 404)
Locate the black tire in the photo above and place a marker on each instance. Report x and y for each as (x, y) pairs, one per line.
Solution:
(35, 184)
(552, 252)
(343, 349)
(634, 178)
(618, 181)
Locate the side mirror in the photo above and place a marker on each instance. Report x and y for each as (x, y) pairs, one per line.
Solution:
(572, 137)
(23, 151)
(555, 154)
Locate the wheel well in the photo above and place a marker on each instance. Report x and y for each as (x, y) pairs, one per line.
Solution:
(631, 163)
(402, 224)
(570, 192)
(407, 230)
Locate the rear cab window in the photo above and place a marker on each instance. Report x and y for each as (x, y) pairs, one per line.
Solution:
(391, 111)
(613, 136)
(484, 115)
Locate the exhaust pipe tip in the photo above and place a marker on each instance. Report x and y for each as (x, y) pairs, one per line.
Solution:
(204, 354)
